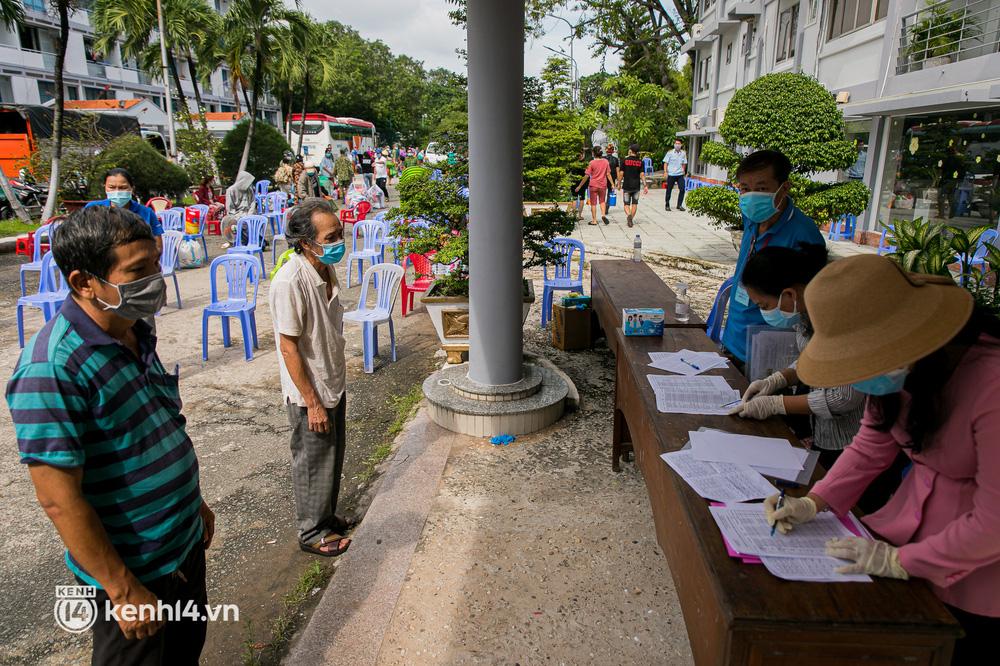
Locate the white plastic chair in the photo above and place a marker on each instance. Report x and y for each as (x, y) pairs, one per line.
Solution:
(373, 234)
(168, 259)
(385, 278)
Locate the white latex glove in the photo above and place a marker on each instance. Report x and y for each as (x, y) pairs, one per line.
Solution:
(793, 511)
(760, 408)
(876, 558)
(767, 386)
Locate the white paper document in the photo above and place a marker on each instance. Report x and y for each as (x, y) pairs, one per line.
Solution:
(723, 482)
(693, 395)
(717, 446)
(811, 569)
(802, 476)
(687, 362)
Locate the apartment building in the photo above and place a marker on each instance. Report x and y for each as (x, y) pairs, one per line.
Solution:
(918, 82)
(27, 66)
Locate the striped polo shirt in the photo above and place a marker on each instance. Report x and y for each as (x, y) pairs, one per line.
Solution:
(80, 398)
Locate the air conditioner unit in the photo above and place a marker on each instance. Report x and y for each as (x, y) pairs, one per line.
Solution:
(697, 29)
(694, 123)
(843, 97)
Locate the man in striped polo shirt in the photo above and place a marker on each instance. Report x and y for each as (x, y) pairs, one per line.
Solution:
(99, 425)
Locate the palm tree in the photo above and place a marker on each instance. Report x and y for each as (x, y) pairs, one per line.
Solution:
(190, 26)
(317, 49)
(257, 31)
(62, 8)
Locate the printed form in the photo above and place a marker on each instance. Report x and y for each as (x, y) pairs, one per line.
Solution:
(710, 395)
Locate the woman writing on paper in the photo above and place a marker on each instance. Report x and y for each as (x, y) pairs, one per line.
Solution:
(930, 365)
(775, 279)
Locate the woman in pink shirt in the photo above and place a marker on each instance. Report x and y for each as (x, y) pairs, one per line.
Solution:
(930, 364)
(599, 172)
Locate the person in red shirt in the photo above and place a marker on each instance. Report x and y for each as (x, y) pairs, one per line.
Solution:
(599, 172)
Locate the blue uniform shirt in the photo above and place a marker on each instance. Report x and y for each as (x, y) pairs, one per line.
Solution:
(147, 214)
(792, 228)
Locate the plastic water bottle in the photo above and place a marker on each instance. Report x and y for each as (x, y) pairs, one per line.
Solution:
(637, 249)
(682, 308)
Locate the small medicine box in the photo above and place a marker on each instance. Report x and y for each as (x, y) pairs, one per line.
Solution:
(642, 321)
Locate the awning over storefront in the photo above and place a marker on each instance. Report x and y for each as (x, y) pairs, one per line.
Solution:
(945, 99)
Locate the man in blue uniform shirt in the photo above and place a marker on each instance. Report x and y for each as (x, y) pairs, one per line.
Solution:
(770, 218)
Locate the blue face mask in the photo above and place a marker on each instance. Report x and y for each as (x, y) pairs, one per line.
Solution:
(890, 382)
(332, 253)
(757, 206)
(119, 198)
(781, 319)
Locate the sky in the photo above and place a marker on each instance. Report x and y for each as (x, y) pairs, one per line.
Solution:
(422, 30)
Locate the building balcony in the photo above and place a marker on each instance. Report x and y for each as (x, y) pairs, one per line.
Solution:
(743, 9)
(947, 32)
(38, 59)
(35, 5)
(97, 69)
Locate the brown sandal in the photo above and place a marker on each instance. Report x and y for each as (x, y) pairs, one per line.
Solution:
(323, 545)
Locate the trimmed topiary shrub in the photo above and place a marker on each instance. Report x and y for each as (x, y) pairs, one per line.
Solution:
(152, 173)
(795, 114)
(265, 151)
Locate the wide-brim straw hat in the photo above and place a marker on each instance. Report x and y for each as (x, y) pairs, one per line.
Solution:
(870, 317)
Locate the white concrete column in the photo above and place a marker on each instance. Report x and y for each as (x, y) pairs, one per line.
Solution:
(496, 71)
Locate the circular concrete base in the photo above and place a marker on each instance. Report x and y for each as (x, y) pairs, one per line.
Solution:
(460, 405)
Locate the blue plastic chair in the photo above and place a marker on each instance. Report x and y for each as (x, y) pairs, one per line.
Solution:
(52, 291)
(171, 219)
(274, 209)
(168, 259)
(843, 227)
(202, 211)
(278, 232)
(562, 275)
(385, 278)
(254, 225)
(260, 190)
(373, 233)
(35, 265)
(883, 245)
(989, 237)
(717, 317)
(243, 272)
(647, 165)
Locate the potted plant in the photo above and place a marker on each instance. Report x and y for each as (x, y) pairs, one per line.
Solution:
(937, 36)
(442, 202)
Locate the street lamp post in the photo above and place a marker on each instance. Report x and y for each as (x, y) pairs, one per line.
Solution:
(576, 72)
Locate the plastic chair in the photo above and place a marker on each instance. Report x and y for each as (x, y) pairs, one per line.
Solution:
(278, 231)
(159, 204)
(243, 271)
(52, 291)
(37, 252)
(989, 237)
(386, 279)
(274, 202)
(202, 211)
(172, 220)
(883, 245)
(254, 225)
(562, 275)
(260, 190)
(356, 214)
(647, 165)
(213, 225)
(843, 228)
(373, 235)
(168, 259)
(423, 278)
(716, 318)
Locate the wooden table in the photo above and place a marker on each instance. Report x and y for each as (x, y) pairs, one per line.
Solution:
(739, 613)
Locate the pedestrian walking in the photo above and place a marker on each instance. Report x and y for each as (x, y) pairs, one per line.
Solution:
(675, 169)
(614, 164)
(632, 177)
(308, 320)
(326, 177)
(578, 193)
(382, 172)
(367, 163)
(343, 169)
(600, 180)
(99, 427)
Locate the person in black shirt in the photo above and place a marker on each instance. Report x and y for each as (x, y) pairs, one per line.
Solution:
(632, 176)
(579, 193)
(367, 161)
(613, 162)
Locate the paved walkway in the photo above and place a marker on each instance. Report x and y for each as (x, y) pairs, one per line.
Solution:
(674, 233)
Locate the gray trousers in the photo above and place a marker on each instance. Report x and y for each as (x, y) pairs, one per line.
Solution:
(317, 463)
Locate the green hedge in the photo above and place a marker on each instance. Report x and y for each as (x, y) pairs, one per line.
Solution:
(266, 150)
(152, 173)
(719, 203)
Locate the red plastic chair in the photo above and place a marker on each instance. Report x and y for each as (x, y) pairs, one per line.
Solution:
(159, 204)
(356, 214)
(213, 225)
(423, 278)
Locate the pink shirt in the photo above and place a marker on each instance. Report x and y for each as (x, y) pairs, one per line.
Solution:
(946, 514)
(598, 170)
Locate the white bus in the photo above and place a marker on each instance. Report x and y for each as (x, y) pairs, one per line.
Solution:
(322, 130)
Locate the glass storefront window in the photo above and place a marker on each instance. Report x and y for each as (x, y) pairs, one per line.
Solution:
(944, 167)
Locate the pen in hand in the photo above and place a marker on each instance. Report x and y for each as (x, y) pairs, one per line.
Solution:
(781, 502)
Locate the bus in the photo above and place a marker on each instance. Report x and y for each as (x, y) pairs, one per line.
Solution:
(322, 130)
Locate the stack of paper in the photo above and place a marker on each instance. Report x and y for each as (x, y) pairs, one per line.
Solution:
(687, 362)
(693, 395)
(718, 446)
(725, 482)
(798, 555)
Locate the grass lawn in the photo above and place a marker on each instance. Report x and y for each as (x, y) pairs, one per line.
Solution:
(15, 227)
